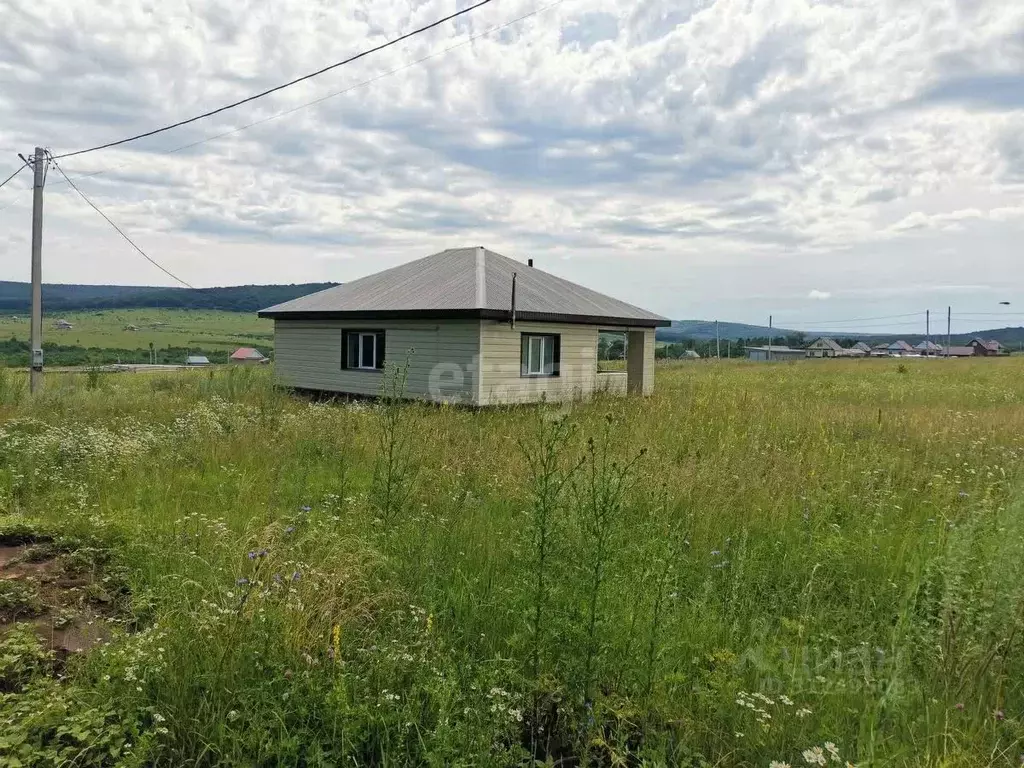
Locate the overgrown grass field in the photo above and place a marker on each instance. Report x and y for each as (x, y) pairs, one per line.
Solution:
(105, 329)
(760, 565)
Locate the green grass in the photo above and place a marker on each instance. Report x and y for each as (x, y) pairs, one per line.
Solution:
(756, 561)
(183, 328)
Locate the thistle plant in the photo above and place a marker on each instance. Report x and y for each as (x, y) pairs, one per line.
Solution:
(393, 471)
(603, 483)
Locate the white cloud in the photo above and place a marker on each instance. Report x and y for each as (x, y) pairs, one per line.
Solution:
(701, 157)
(819, 295)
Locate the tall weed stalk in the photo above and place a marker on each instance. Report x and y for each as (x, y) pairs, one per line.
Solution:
(604, 483)
(394, 471)
(671, 543)
(550, 474)
(12, 387)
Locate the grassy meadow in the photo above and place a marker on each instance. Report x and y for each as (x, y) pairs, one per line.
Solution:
(761, 565)
(208, 330)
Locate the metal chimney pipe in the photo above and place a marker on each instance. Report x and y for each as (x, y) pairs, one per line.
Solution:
(512, 313)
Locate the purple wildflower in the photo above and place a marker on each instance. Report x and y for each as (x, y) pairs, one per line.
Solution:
(305, 508)
(1000, 715)
(252, 555)
(290, 529)
(962, 494)
(277, 578)
(296, 576)
(262, 553)
(715, 553)
(242, 582)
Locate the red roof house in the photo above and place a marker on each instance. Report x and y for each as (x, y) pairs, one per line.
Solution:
(247, 355)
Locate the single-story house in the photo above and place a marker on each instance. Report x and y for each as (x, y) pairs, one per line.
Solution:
(468, 325)
(957, 352)
(900, 349)
(775, 353)
(880, 350)
(928, 348)
(247, 356)
(63, 325)
(196, 360)
(984, 348)
(824, 347)
(863, 347)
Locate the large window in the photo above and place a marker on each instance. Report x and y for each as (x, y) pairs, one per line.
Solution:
(540, 354)
(362, 350)
(611, 351)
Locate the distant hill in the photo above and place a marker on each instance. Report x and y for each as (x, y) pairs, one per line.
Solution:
(17, 297)
(704, 330)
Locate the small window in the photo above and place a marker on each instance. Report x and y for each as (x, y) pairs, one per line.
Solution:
(362, 350)
(540, 354)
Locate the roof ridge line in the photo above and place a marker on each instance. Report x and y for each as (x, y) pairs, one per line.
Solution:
(481, 277)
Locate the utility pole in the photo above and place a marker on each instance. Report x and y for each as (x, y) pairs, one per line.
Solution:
(39, 163)
(769, 338)
(927, 332)
(718, 342)
(728, 348)
(949, 330)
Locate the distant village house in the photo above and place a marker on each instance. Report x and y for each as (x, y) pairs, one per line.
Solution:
(63, 325)
(984, 348)
(824, 347)
(766, 353)
(247, 356)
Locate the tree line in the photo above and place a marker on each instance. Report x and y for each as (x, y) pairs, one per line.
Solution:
(16, 297)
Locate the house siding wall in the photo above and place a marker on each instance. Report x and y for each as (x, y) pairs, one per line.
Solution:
(466, 361)
(501, 381)
(442, 357)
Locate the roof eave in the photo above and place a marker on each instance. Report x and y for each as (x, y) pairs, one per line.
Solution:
(471, 314)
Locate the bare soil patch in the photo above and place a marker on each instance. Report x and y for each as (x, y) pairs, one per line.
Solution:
(53, 591)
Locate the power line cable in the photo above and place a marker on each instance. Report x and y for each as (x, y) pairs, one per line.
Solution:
(119, 230)
(21, 168)
(277, 88)
(853, 319)
(988, 314)
(435, 54)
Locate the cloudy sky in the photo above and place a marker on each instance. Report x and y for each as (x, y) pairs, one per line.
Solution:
(820, 160)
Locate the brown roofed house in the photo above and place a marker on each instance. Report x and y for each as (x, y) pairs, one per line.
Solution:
(984, 348)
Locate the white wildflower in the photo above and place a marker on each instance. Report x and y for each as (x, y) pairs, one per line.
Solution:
(815, 756)
(833, 751)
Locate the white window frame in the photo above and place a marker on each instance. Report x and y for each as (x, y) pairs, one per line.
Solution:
(537, 350)
(538, 342)
(360, 335)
